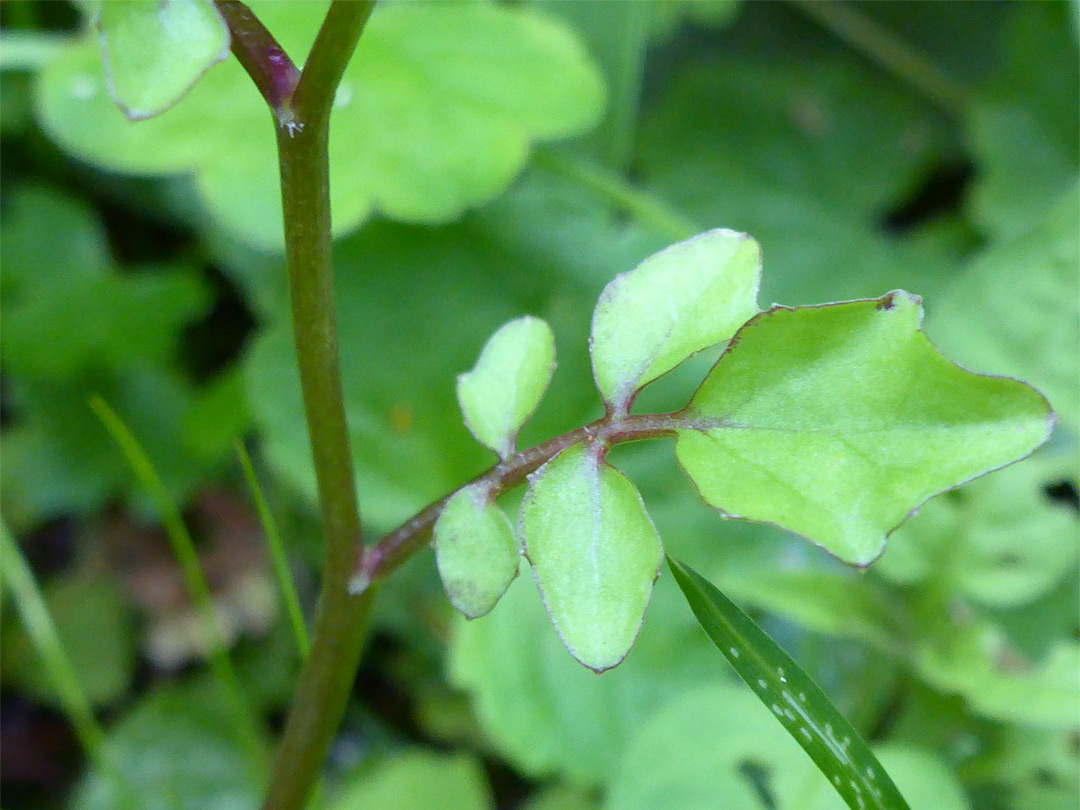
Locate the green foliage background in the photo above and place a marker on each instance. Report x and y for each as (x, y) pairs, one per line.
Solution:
(492, 161)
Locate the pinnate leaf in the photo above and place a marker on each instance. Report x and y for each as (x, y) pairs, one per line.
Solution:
(594, 552)
(155, 50)
(475, 550)
(677, 302)
(835, 422)
(507, 383)
(798, 703)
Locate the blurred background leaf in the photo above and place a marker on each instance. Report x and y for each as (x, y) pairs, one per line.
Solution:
(140, 262)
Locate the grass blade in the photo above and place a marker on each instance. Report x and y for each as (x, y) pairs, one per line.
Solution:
(797, 702)
(246, 725)
(277, 554)
(43, 634)
(46, 640)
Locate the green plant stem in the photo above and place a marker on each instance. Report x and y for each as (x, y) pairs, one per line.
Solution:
(303, 131)
(277, 554)
(889, 51)
(641, 205)
(244, 720)
(404, 541)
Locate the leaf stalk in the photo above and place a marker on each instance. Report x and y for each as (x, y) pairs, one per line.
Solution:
(408, 538)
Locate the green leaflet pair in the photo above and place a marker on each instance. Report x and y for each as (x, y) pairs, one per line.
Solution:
(834, 422)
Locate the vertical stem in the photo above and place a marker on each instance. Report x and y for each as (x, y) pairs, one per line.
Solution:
(303, 131)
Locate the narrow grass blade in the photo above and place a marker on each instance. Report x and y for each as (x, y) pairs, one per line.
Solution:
(277, 554)
(194, 579)
(46, 640)
(798, 703)
(43, 634)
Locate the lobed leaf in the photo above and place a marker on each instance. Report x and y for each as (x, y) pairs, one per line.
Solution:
(594, 552)
(469, 88)
(475, 550)
(798, 703)
(836, 422)
(155, 52)
(507, 383)
(677, 302)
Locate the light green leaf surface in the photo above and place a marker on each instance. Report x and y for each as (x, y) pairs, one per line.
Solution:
(594, 553)
(476, 551)
(94, 626)
(718, 744)
(1016, 308)
(507, 383)
(154, 51)
(469, 88)
(418, 779)
(797, 702)
(835, 422)
(677, 302)
(28, 50)
(172, 748)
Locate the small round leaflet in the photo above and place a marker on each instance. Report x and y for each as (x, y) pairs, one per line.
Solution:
(475, 551)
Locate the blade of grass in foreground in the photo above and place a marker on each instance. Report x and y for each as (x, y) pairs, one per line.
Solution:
(796, 701)
(277, 553)
(183, 546)
(46, 640)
